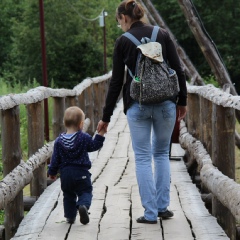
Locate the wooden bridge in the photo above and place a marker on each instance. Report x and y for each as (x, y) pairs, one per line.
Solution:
(116, 203)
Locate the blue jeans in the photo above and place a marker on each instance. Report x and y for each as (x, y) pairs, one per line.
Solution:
(77, 189)
(151, 128)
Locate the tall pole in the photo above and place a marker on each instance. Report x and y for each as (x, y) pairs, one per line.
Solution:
(104, 43)
(44, 68)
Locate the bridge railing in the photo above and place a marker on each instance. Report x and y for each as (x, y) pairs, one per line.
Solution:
(89, 95)
(209, 138)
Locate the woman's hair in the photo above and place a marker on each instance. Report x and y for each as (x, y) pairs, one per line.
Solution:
(130, 8)
(73, 116)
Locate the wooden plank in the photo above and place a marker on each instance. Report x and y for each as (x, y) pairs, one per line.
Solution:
(129, 175)
(142, 231)
(103, 156)
(112, 173)
(115, 167)
(176, 228)
(204, 225)
(116, 202)
(121, 150)
(35, 220)
(90, 231)
(56, 226)
(115, 223)
(177, 151)
(115, 117)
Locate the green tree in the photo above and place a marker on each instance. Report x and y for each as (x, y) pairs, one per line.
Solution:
(10, 10)
(74, 42)
(71, 52)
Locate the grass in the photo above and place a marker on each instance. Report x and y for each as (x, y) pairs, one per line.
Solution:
(237, 158)
(1, 217)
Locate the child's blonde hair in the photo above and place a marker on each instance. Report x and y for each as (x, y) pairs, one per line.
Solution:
(73, 117)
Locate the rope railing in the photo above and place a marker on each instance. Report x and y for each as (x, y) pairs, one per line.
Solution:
(216, 95)
(40, 93)
(89, 95)
(211, 123)
(224, 188)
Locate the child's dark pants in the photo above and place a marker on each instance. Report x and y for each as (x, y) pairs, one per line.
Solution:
(77, 190)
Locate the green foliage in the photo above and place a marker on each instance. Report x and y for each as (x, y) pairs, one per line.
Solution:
(17, 87)
(211, 80)
(74, 45)
(1, 168)
(1, 217)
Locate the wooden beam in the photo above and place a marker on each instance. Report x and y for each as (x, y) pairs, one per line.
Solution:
(223, 157)
(58, 113)
(35, 142)
(11, 157)
(206, 45)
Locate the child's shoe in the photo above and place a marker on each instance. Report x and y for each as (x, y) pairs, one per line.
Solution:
(83, 212)
(70, 220)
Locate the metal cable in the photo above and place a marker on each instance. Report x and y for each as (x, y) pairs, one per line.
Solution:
(81, 16)
(207, 35)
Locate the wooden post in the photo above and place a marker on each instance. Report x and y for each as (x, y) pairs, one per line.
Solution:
(81, 101)
(2, 232)
(36, 141)
(70, 101)
(223, 157)
(97, 104)
(102, 92)
(58, 113)
(193, 123)
(11, 157)
(89, 105)
(193, 118)
(206, 124)
(206, 130)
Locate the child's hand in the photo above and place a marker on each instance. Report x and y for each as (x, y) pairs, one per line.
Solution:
(53, 177)
(103, 130)
(102, 127)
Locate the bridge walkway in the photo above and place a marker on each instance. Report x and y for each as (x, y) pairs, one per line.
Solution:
(116, 202)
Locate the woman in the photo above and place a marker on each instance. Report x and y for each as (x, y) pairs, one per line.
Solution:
(150, 125)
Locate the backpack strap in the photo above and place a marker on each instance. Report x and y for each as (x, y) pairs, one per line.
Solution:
(132, 38)
(154, 33)
(137, 42)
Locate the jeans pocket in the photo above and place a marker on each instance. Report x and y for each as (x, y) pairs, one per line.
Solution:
(136, 112)
(169, 112)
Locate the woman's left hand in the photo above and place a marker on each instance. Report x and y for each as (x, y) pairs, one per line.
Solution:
(102, 125)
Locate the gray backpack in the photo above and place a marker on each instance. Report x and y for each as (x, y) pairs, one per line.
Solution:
(153, 81)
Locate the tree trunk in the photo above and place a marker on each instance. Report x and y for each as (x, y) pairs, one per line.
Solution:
(206, 45)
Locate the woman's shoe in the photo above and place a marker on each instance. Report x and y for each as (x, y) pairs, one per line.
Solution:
(166, 214)
(144, 220)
